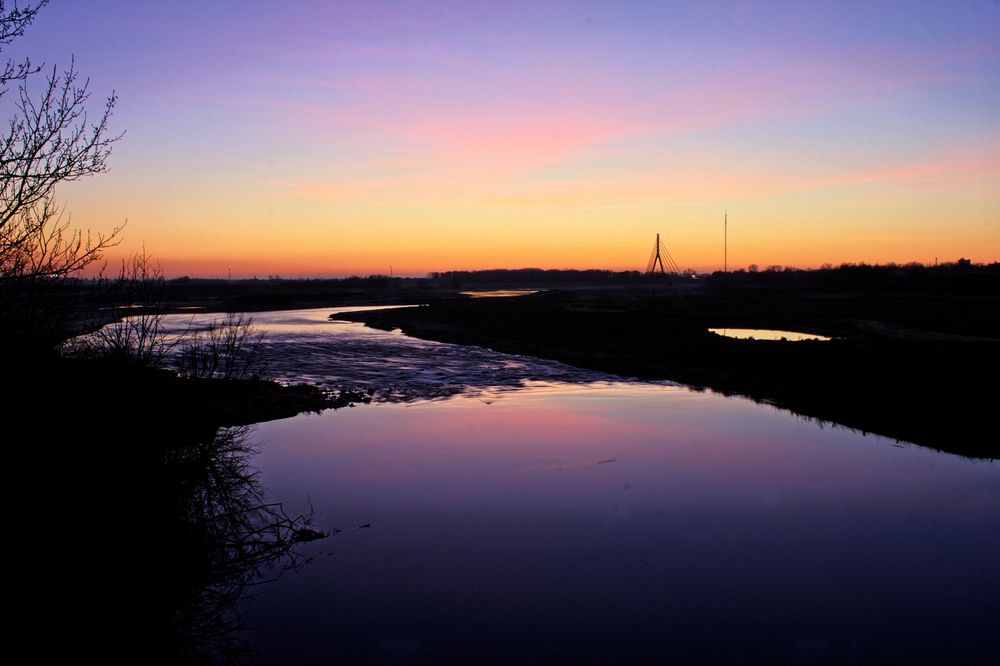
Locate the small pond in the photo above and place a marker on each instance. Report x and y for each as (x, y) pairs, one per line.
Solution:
(500, 293)
(766, 334)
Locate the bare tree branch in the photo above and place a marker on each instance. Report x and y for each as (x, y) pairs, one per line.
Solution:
(49, 141)
(13, 21)
(53, 134)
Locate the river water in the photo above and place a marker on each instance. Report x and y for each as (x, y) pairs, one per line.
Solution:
(502, 509)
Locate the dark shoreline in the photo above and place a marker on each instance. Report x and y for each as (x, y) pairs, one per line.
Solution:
(884, 372)
(126, 490)
(914, 356)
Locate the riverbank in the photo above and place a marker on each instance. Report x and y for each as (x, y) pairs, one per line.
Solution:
(889, 369)
(138, 490)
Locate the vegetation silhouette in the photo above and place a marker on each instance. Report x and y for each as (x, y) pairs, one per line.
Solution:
(50, 139)
(129, 316)
(149, 522)
(145, 498)
(230, 349)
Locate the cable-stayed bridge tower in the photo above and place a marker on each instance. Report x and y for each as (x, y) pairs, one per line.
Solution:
(660, 260)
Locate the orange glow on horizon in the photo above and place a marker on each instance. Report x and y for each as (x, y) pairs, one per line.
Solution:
(568, 150)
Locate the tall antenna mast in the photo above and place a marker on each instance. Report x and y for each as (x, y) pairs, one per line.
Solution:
(725, 242)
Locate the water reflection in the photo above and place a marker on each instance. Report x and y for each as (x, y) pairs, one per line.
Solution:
(222, 538)
(585, 519)
(500, 293)
(765, 334)
(628, 524)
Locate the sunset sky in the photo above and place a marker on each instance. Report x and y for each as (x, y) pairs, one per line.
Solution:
(329, 138)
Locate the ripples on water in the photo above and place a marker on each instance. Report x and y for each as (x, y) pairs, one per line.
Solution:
(307, 346)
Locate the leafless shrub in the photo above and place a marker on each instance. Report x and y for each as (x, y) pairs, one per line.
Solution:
(136, 330)
(230, 349)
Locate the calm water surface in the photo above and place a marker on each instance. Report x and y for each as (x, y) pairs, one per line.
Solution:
(553, 514)
(500, 293)
(765, 334)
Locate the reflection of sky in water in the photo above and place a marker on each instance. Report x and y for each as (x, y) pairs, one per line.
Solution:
(500, 293)
(305, 345)
(589, 519)
(765, 334)
(626, 523)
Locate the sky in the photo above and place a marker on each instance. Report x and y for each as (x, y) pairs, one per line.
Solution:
(314, 138)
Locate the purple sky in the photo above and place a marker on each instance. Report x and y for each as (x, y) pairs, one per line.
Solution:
(329, 138)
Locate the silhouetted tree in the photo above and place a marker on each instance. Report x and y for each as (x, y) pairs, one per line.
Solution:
(49, 139)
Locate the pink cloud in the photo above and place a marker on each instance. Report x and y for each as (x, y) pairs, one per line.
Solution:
(478, 137)
(958, 163)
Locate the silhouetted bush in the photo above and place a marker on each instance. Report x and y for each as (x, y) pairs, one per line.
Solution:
(230, 349)
(135, 300)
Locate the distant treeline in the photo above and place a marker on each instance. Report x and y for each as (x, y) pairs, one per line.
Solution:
(538, 277)
(961, 275)
(352, 281)
(278, 292)
(500, 276)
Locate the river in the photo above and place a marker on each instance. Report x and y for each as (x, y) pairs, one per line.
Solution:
(503, 509)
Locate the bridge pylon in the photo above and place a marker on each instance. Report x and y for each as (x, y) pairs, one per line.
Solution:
(660, 260)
